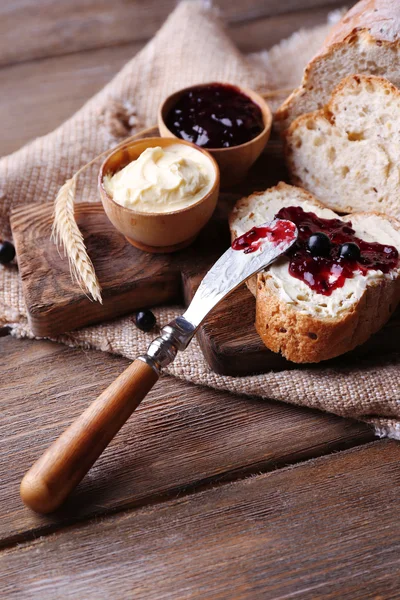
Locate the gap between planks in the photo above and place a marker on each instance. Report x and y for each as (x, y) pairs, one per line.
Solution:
(322, 525)
(188, 491)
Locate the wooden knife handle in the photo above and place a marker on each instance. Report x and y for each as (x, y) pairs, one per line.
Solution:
(59, 470)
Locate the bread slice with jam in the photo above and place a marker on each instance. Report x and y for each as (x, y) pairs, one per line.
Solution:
(312, 306)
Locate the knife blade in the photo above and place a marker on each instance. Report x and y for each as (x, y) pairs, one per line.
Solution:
(250, 253)
(235, 266)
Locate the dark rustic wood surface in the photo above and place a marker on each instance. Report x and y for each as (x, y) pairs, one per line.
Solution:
(327, 528)
(68, 46)
(181, 436)
(171, 511)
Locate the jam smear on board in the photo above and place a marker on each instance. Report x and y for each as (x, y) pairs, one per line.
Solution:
(281, 231)
(215, 116)
(327, 272)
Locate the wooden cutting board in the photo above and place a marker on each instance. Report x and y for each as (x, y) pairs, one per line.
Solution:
(132, 279)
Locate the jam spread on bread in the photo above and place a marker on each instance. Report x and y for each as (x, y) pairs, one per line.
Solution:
(327, 252)
(280, 231)
(215, 116)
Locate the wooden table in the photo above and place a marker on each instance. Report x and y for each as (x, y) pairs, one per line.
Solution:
(204, 494)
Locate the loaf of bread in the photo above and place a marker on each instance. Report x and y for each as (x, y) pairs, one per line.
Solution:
(347, 152)
(291, 318)
(366, 41)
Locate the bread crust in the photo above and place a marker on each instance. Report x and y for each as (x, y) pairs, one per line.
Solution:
(376, 20)
(381, 18)
(244, 202)
(305, 338)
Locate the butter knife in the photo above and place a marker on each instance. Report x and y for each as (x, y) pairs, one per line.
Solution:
(64, 464)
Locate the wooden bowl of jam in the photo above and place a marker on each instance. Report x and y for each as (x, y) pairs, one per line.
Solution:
(151, 229)
(233, 123)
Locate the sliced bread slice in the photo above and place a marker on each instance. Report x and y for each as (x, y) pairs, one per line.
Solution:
(366, 40)
(293, 319)
(347, 153)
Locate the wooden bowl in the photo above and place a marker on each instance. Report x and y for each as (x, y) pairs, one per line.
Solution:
(233, 162)
(151, 231)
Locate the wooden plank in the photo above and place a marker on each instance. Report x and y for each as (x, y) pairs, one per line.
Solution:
(57, 28)
(328, 528)
(59, 86)
(181, 436)
(71, 26)
(55, 303)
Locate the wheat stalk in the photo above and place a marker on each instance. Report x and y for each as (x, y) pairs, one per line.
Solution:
(66, 233)
(274, 93)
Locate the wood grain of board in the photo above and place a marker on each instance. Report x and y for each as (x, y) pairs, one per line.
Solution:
(328, 528)
(56, 304)
(181, 436)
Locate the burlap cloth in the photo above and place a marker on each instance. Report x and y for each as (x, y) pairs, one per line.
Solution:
(191, 47)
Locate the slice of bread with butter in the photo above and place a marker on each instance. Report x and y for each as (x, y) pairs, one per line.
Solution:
(291, 317)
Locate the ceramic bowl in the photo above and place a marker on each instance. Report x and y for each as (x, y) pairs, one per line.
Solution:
(234, 162)
(154, 231)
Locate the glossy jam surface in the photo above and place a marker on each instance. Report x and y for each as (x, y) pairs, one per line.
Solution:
(323, 274)
(215, 116)
(281, 231)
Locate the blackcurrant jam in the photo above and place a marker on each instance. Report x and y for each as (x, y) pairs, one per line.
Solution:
(281, 231)
(215, 116)
(330, 270)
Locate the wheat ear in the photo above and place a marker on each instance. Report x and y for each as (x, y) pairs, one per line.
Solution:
(66, 233)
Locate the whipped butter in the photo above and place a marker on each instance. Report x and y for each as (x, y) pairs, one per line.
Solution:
(162, 180)
(295, 291)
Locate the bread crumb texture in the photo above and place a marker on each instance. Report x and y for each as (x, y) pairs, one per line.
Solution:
(347, 153)
(298, 322)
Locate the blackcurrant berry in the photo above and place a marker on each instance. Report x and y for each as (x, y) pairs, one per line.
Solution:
(145, 320)
(319, 244)
(7, 252)
(350, 251)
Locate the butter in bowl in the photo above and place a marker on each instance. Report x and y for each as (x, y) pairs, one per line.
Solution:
(159, 192)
